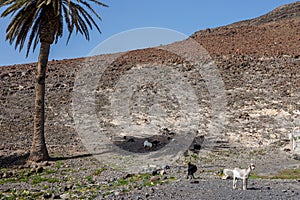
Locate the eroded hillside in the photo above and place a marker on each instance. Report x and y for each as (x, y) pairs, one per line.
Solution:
(258, 61)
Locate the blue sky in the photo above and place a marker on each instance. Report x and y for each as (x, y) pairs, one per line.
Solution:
(184, 17)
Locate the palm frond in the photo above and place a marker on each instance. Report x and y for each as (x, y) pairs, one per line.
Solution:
(30, 16)
(33, 37)
(99, 3)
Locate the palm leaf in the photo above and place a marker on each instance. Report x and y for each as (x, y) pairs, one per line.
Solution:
(28, 19)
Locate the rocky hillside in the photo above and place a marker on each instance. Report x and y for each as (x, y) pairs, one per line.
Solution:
(258, 61)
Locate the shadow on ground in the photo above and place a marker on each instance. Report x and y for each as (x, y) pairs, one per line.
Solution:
(20, 158)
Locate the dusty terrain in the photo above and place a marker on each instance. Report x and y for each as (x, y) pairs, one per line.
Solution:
(258, 61)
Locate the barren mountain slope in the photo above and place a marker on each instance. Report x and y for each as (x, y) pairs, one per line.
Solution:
(258, 60)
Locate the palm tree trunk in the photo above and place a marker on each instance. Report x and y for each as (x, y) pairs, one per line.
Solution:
(39, 150)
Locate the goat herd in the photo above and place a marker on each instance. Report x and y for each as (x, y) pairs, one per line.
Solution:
(235, 173)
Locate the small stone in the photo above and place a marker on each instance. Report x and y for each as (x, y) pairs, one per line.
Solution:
(56, 196)
(117, 193)
(127, 176)
(45, 163)
(13, 173)
(21, 167)
(7, 190)
(39, 169)
(68, 187)
(112, 179)
(65, 196)
(154, 178)
(33, 165)
(47, 195)
(34, 190)
(67, 166)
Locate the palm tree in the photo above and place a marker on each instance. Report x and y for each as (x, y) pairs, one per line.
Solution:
(42, 22)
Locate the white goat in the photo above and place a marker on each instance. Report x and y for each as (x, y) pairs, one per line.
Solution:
(147, 144)
(238, 173)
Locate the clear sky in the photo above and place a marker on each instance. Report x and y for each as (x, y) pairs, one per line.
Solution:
(185, 17)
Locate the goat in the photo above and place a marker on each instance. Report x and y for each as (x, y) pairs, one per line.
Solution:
(191, 170)
(238, 173)
(147, 144)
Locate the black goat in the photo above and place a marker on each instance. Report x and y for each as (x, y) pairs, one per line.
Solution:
(191, 170)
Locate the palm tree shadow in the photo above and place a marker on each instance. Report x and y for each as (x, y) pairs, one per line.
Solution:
(16, 159)
(70, 157)
(20, 159)
(86, 155)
